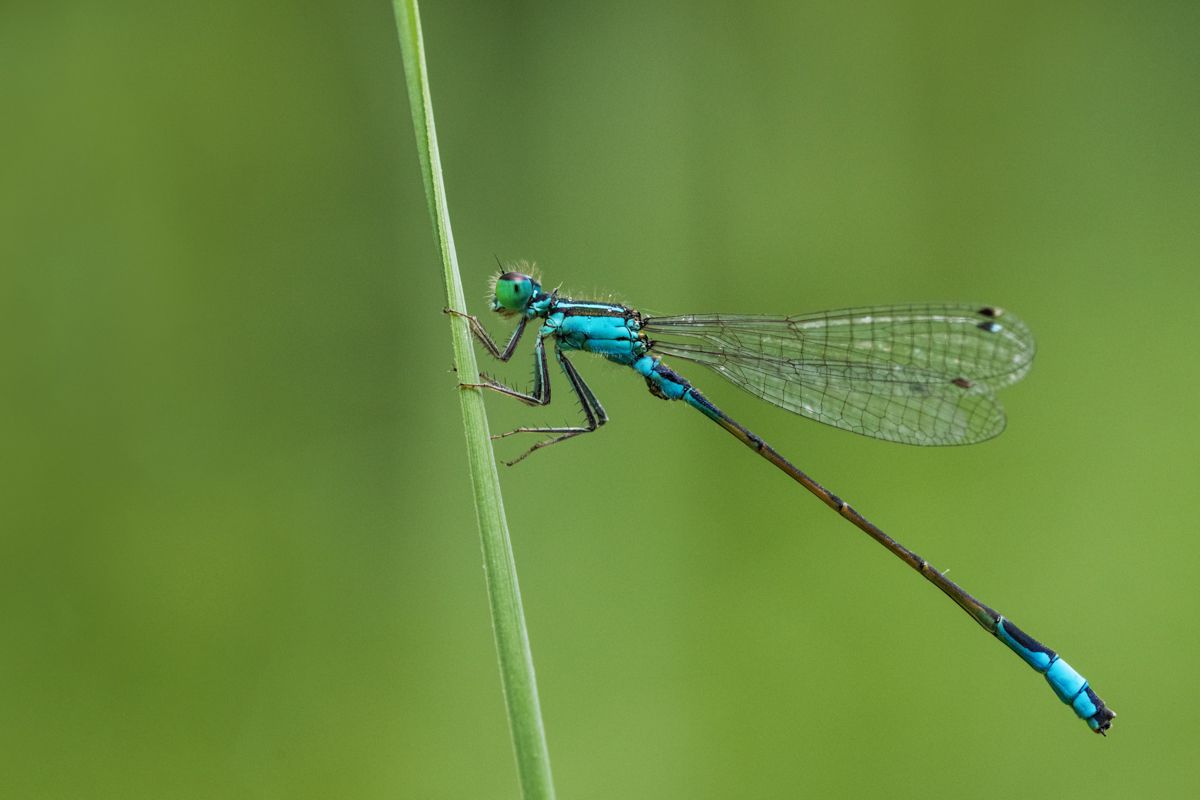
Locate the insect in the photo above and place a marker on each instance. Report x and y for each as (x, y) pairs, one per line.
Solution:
(917, 374)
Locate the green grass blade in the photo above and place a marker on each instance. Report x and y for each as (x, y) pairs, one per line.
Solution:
(508, 618)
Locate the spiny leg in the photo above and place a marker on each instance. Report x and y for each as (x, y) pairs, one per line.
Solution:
(540, 396)
(593, 412)
(486, 339)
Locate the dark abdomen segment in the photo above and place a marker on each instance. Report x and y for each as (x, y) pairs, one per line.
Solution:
(1070, 686)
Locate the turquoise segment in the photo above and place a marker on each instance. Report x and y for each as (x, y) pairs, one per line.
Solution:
(1040, 659)
(645, 366)
(1066, 682)
(663, 381)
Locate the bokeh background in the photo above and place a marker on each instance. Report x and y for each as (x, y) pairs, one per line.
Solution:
(238, 546)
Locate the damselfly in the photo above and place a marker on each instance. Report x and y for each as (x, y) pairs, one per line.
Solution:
(917, 374)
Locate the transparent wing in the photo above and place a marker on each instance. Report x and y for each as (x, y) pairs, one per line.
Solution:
(918, 374)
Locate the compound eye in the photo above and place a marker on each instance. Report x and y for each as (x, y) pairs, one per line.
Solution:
(514, 290)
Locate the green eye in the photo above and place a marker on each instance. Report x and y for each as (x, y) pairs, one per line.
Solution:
(514, 291)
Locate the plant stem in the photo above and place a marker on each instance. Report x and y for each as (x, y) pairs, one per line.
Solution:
(504, 595)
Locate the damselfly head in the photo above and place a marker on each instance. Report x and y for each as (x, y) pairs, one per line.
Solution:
(512, 292)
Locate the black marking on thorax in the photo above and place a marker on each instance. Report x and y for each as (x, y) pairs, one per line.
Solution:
(583, 308)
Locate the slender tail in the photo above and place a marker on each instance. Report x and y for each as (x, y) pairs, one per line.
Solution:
(1071, 687)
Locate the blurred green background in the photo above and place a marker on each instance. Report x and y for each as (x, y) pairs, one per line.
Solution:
(239, 551)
